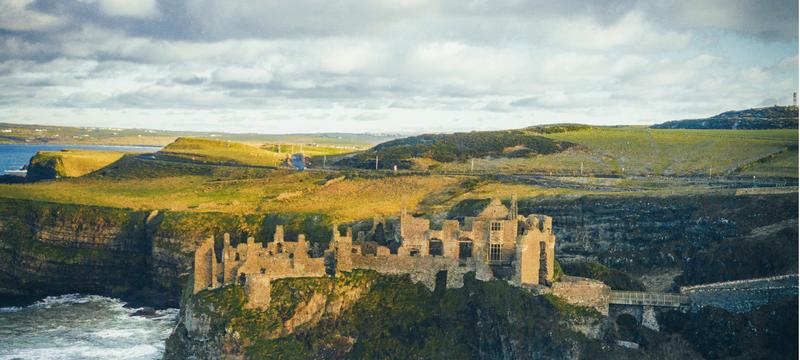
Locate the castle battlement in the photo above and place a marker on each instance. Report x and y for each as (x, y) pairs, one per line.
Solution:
(495, 238)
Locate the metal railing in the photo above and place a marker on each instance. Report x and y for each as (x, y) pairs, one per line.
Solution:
(647, 298)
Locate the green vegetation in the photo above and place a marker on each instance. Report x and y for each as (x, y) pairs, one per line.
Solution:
(455, 147)
(310, 150)
(773, 117)
(392, 318)
(189, 187)
(220, 152)
(602, 151)
(69, 163)
(641, 151)
(615, 279)
(782, 163)
(557, 128)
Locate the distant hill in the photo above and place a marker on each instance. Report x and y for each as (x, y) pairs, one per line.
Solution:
(456, 147)
(47, 134)
(775, 117)
(557, 128)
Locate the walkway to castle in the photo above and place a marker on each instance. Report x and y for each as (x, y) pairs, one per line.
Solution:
(739, 295)
(647, 299)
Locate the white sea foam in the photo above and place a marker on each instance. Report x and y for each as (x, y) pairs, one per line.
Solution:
(76, 326)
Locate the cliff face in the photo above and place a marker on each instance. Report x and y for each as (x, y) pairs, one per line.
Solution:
(638, 234)
(47, 248)
(365, 315)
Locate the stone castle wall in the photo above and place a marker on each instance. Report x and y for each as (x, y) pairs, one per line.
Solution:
(583, 292)
(492, 238)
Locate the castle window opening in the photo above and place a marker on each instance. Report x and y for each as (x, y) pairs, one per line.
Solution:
(494, 252)
(263, 271)
(497, 226)
(413, 252)
(242, 279)
(464, 249)
(435, 248)
(237, 256)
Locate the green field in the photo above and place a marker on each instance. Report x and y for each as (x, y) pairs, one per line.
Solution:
(644, 151)
(202, 175)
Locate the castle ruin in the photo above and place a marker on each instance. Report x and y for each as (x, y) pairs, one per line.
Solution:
(496, 239)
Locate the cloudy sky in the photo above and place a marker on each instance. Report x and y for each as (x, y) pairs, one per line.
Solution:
(390, 65)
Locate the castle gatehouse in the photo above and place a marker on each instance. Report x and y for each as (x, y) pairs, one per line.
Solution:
(497, 238)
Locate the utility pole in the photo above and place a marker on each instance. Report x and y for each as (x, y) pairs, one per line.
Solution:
(472, 165)
(581, 168)
(376, 162)
(279, 148)
(324, 160)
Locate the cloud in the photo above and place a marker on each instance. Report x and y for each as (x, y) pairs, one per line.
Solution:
(15, 15)
(398, 65)
(128, 8)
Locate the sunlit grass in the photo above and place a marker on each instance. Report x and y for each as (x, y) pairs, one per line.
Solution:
(78, 162)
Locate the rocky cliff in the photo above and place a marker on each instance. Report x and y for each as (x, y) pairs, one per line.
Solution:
(365, 315)
(638, 234)
(49, 248)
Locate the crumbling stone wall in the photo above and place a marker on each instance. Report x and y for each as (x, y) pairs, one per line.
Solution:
(583, 292)
(422, 269)
(497, 237)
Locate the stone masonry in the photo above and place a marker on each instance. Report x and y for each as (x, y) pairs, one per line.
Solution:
(496, 238)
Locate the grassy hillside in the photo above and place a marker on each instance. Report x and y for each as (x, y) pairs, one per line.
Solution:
(140, 184)
(218, 151)
(642, 151)
(774, 117)
(445, 148)
(69, 163)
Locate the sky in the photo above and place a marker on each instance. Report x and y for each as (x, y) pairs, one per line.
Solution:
(390, 66)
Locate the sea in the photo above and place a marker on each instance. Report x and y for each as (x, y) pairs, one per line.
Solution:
(78, 326)
(14, 156)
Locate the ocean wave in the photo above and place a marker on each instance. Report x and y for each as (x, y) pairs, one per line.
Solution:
(76, 326)
(71, 299)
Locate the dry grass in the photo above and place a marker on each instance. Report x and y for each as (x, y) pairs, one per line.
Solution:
(343, 200)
